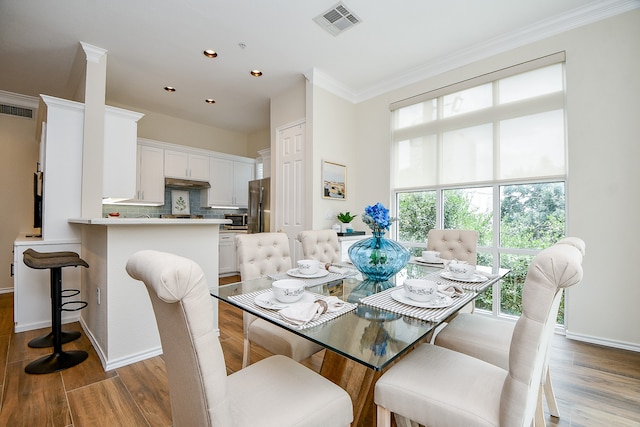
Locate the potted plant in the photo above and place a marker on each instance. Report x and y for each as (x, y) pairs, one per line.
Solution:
(345, 219)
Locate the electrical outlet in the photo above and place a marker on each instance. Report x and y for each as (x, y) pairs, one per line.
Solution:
(98, 295)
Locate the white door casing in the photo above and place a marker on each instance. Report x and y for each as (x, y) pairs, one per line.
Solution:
(289, 190)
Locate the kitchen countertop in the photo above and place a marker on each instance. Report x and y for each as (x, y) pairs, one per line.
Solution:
(148, 221)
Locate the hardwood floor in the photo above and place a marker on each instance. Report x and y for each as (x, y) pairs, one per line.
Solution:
(595, 386)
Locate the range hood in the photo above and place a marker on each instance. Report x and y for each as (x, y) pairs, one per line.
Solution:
(189, 184)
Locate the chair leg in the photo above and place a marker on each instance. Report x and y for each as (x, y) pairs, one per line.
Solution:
(246, 353)
(538, 420)
(383, 417)
(550, 396)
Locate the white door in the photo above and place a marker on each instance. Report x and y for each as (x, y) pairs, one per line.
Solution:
(289, 189)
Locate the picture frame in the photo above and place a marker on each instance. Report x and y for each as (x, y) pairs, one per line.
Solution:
(334, 181)
(180, 202)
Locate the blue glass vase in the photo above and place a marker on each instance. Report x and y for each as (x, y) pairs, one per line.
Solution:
(377, 258)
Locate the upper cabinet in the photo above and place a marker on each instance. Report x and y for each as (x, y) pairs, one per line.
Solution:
(120, 141)
(179, 164)
(229, 181)
(150, 175)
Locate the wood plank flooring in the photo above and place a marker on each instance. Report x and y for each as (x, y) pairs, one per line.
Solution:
(595, 386)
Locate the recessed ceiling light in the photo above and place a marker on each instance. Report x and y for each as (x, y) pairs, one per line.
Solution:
(210, 101)
(210, 53)
(255, 73)
(170, 88)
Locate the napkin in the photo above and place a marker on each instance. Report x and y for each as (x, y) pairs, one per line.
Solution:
(451, 290)
(301, 313)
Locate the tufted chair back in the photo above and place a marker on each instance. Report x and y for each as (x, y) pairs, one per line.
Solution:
(261, 254)
(550, 272)
(192, 353)
(454, 244)
(321, 245)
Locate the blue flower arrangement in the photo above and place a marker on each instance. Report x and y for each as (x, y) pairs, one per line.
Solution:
(377, 218)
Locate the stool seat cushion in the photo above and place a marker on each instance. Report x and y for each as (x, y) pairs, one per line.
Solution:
(38, 260)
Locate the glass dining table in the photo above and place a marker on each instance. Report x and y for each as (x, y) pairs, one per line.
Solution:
(370, 332)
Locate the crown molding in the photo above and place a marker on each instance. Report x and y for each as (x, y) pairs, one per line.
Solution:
(593, 12)
(17, 100)
(93, 53)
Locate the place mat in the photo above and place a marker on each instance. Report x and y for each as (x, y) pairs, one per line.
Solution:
(311, 281)
(247, 300)
(467, 286)
(384, 301)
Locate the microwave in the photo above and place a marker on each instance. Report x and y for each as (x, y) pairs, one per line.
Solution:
(238, 221)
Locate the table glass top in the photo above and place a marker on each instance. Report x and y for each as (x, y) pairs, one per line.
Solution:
(371, 336)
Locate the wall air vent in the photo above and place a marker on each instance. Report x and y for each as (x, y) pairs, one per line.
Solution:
(337, 20)
(16, 111)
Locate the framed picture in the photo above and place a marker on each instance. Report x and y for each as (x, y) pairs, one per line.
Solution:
(180, 202)
(334, 181)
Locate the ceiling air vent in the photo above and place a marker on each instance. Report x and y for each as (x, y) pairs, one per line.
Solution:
(16, 111)
(337, 19)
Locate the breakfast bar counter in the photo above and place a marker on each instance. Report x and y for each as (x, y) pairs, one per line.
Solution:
(119, 319)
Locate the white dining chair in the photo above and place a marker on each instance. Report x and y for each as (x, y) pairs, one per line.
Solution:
(276, 391)
(489, 339)
(321, 245)
(260, 255)
(454, 244)
(436, 386)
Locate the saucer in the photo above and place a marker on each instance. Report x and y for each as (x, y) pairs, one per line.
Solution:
(476, 278)
(441, 302)
(424, 261)
(294, 272)
(268, 300)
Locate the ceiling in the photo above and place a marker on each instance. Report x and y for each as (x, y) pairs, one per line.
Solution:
(152, 44)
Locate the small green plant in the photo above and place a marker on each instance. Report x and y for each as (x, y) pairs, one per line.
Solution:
(345, 217)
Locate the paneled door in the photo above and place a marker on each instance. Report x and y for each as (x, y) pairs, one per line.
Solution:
(289, 190)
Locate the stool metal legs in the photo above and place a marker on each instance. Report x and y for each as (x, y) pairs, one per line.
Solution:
(58, 360)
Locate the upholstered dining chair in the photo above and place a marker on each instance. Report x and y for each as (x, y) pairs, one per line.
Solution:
(276, 391)
(436, 386)
(454, 244)
(321, 245)
(489, 339)
(259, 255)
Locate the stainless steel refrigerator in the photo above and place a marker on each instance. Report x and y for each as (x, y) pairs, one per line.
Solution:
(259, 215)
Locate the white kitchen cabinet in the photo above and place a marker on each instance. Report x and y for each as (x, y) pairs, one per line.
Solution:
(32, 287)
(242, 174)
(181, 164)
(120, 136)
(222, 182)
(229, 182)
(150, 175)
(227, 261)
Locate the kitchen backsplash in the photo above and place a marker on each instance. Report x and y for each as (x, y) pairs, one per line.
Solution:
(131, 211)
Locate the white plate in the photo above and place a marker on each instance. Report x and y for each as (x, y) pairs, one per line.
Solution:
(296, 273)
(268, 300)
(476, 278)
(441, 302)
(424, 261)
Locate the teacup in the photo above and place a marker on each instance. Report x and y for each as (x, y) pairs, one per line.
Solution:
(431, 256)
(461, 270)
(288, 290)
(308, 266)
(421, 290)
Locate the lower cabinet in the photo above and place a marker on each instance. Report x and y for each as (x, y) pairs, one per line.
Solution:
(345, 244)
(227, 262)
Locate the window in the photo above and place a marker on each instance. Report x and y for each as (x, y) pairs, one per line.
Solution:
(487, 154)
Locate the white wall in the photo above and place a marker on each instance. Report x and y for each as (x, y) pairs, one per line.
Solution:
(603, 110)
(18, 158)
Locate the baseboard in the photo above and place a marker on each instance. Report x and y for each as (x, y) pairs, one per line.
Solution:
(108, 365)
(45, 323)
(6, 290)
(603, 341)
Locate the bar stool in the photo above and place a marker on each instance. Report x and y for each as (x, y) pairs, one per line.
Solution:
(58, 360)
